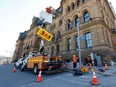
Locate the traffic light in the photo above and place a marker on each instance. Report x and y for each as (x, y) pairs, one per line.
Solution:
(44, 34)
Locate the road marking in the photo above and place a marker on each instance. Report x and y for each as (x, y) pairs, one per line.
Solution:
(85, 76)
(44, 80)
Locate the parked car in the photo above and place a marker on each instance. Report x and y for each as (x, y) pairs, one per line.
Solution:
(19, 62)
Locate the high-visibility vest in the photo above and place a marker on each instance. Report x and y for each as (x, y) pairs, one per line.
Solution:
(88, 59)
(74, 59)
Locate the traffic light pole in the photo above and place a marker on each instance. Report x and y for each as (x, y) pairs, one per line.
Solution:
(79, 46)
(78, 30)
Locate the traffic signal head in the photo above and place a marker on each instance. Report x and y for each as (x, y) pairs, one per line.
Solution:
(44, 34)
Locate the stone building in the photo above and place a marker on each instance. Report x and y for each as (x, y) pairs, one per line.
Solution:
(27, 41)
(96, 22)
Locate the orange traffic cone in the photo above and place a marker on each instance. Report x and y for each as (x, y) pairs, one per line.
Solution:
(14, 69)
(94, 80)
(106, 67)
(90, 66)
(39, 78)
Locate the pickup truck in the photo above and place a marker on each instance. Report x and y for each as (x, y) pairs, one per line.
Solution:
(19, 62)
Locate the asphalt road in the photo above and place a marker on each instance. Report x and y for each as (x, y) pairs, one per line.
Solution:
(64, 79)
(19, 78)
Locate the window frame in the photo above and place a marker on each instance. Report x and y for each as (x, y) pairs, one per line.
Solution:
(69, 44)
(88, 40)
(84, 1)
(78, 3)
(69, 27)
(77, 21)
(86, 17)
(76, 42)
(73, 6)
(68, 9)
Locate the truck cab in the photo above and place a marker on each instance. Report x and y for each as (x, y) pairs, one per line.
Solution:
(24, 62)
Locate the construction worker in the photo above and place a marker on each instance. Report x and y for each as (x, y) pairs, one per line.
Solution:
(74, 62)
(88, 60)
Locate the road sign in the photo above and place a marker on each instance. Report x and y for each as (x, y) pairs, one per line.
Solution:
(44, 34)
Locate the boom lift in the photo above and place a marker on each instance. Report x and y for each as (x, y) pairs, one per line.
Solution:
(43, 60)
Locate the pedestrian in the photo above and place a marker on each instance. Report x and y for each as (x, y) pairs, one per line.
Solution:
(88, 59)
(74, 62)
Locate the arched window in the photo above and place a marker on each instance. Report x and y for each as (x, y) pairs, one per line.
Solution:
(58, 35)
(84, 1)
(69, 24)
(68, 8)
(86, 17)
(77, 21)
(73, 6)
(53, 37)
(78, 2)
(60, 22)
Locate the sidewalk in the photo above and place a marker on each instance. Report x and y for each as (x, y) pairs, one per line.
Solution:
(112, 69)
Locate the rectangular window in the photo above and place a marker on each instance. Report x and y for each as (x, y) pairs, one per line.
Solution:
(69, 44)
(108, 43)
(76, 40)
(88, 40)
(52, 51)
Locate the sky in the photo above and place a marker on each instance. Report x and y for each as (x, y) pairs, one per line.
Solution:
(16, 16)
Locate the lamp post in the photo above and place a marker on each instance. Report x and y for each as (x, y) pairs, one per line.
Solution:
(78, 30)
(79, 46)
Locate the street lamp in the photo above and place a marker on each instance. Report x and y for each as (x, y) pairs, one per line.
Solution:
(79, 46)
(78, 30)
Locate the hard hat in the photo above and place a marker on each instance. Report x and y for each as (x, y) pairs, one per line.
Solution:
(73, 55)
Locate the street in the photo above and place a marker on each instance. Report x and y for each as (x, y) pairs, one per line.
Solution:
(19, 78)
(63, 79)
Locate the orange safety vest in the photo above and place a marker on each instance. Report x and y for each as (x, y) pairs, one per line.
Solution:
(74, 59)
(88, 59)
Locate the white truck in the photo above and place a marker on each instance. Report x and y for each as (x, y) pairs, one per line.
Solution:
(24, 62)
(19, 62)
